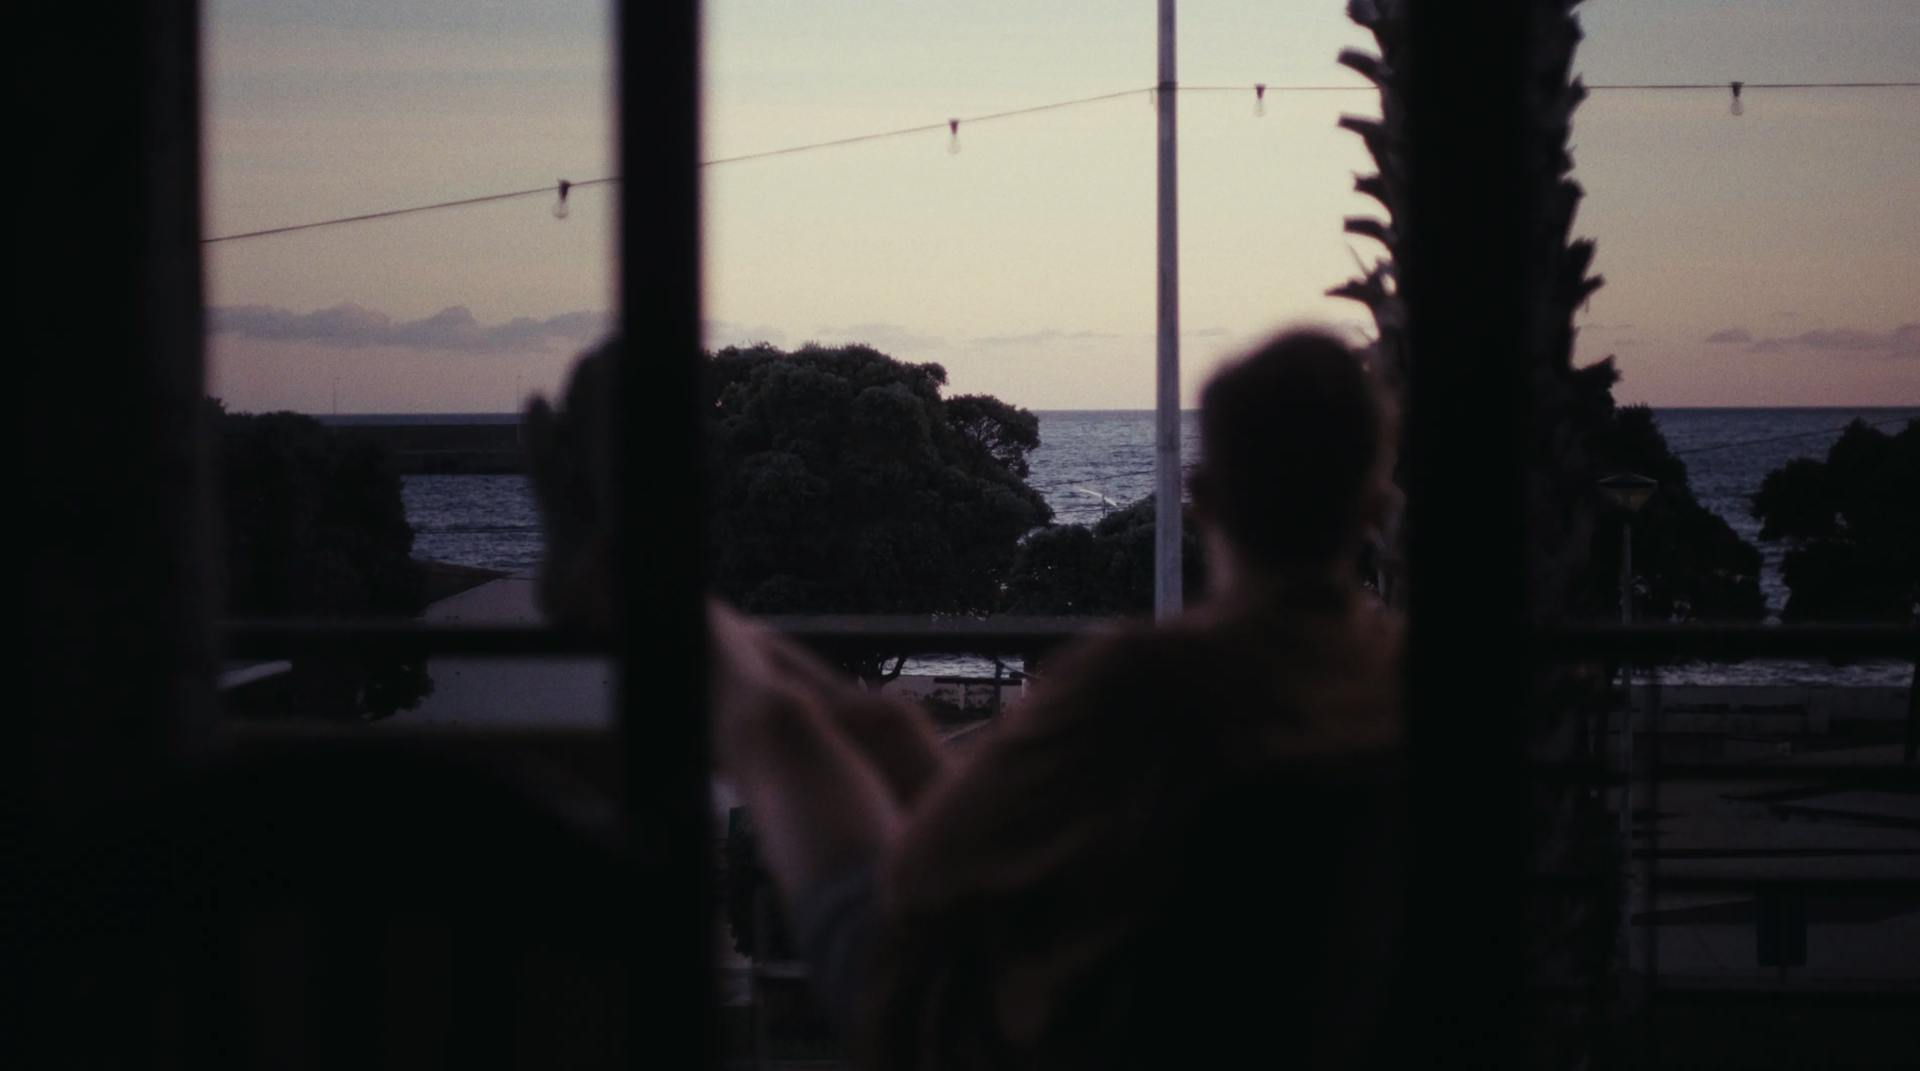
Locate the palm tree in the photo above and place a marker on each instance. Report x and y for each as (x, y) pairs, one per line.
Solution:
(1573, 935)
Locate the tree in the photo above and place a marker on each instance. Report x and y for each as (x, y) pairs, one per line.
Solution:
(842, 482)
(1852, 527)
(1688, 562)
(315, 528)
(1105, 568)
(1572, 939)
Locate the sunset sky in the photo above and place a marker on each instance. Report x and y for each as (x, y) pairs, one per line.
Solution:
(1766, 259)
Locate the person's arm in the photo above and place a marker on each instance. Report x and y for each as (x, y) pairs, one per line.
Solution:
(896, 735)
(826, 769)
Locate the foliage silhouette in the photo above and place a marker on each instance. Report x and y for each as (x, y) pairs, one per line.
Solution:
(1852, 527)
(1571, 942)
(842, 482)
(1688, 563)
(315, 528)
(1103, 568)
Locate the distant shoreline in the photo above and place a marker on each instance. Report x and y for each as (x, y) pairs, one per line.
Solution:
(361, 420)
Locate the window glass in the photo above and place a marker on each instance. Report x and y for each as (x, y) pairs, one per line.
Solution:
(369, 373)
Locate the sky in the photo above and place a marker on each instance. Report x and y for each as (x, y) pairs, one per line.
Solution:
(1771, 258)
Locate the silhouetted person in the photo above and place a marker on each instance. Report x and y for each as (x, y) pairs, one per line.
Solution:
(1180, 849)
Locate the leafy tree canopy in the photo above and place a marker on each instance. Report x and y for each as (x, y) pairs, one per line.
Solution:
(315, 528)
(1688, 563)
(1103, 568)
(1852, 526)
(842, 482)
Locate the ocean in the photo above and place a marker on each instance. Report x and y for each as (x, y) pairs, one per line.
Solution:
(1090, 462)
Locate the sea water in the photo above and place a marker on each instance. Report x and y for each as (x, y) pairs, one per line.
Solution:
(1090, 462)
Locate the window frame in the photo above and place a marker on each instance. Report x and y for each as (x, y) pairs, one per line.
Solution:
(1469, 143)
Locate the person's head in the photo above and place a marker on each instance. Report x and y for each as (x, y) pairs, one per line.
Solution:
(1296, 445)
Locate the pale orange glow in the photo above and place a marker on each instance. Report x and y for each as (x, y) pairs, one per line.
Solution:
(1023, 263)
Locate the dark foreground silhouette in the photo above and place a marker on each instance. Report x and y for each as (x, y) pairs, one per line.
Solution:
(1182, 849)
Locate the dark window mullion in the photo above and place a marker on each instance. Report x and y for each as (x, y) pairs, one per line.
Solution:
(660, 634)
(119, 662)
(1468, 312)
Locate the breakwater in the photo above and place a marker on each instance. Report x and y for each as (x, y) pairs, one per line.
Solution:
(477, 447)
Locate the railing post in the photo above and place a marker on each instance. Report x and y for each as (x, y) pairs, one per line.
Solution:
(661, 523)
(1467, 414)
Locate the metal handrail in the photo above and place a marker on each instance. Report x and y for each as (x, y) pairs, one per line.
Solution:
(1706, 641)
(1004, 634)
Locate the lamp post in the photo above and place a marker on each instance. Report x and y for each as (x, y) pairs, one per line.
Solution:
(1628, 492)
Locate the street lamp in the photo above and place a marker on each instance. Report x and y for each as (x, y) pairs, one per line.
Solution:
(1628, 492)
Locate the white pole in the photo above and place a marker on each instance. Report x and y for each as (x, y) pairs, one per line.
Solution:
(1166, 452)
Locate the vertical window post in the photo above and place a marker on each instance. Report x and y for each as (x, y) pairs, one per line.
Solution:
(107, 273)
(660, 527)
(1466, 291)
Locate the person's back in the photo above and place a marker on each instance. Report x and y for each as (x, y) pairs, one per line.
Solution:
(1180, 850)
(1182, 847)
(1185, 848)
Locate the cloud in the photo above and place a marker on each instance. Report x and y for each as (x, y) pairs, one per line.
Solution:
(719, 334)
(893, 339)
(1902, 341)
(451, 330)
(1848, 338)
(1054, 335)
(1732, 336)
(1041, 338)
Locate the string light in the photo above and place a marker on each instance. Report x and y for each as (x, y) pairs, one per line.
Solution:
(561, 207)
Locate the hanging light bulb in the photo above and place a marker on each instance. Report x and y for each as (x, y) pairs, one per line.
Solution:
(560, 206)
(1259, 99)
(1736, 108)
(953, 137)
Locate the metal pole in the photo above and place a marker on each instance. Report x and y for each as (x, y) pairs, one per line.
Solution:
(1913, 713)
(1166, 447)
(1626, 679)
(1626, 571)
